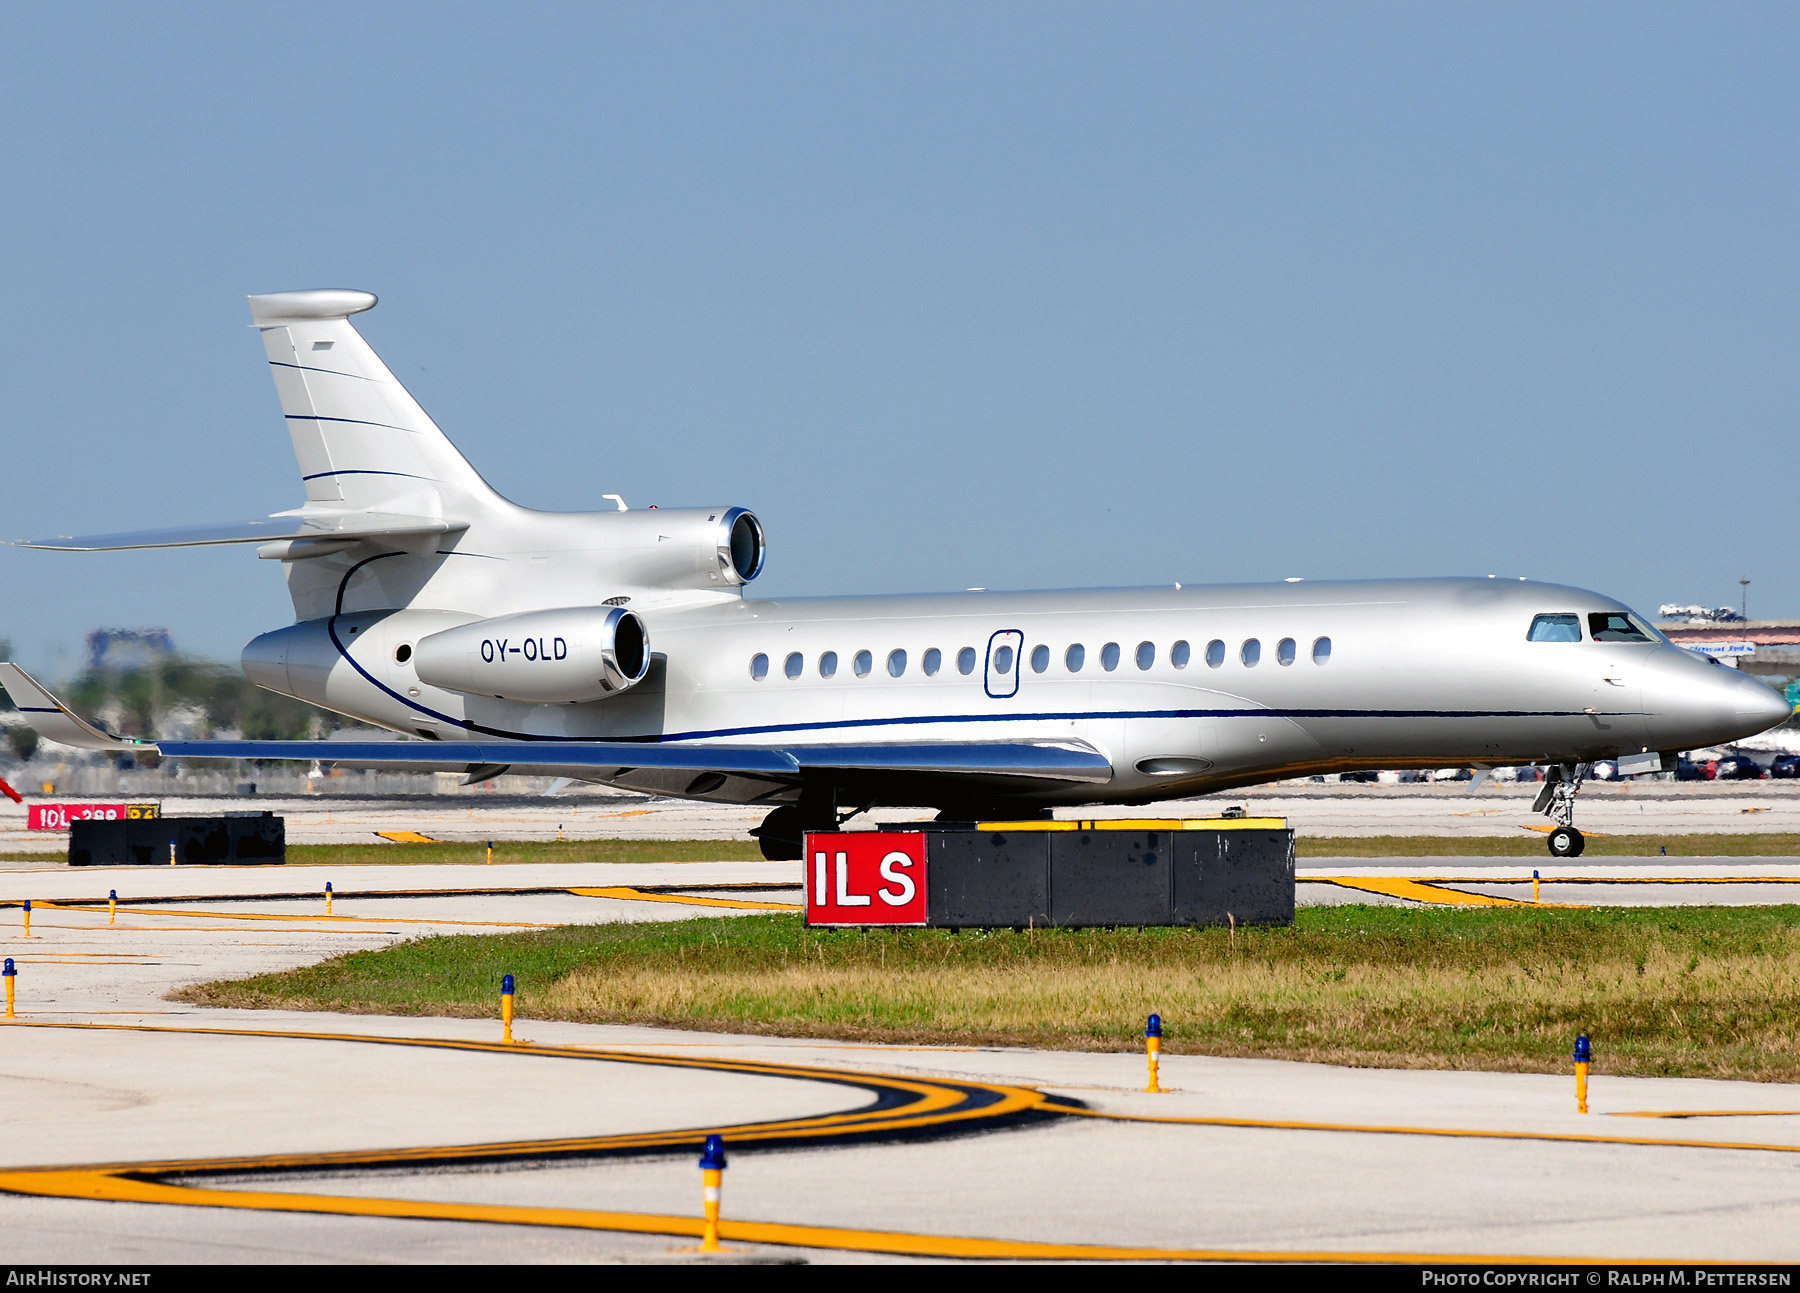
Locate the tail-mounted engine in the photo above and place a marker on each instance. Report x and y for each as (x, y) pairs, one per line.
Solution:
(544, 657)
(715, 548)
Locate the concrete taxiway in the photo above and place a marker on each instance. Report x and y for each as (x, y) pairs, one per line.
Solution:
(1446, 809)
(136, 1128)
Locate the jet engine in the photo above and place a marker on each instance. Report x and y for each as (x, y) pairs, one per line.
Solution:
(673, 548)
(549, 657)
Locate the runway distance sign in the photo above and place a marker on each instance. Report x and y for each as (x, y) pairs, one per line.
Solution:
(56, 817)
(865, 878)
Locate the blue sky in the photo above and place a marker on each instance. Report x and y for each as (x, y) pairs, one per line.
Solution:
(1001, 295)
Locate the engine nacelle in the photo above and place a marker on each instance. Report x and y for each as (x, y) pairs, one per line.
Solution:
(545, 657)
(670, 548)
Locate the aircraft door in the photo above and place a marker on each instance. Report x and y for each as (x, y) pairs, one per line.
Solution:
(1003, 664)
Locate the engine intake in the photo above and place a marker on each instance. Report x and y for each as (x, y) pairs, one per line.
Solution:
(558, 657)
(741, 546)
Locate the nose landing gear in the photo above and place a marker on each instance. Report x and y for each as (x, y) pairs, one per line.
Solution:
(1566, 842)
(1557, 802)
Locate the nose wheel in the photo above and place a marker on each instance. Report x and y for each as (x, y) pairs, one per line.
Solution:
(1557, 802)
(1566, 842)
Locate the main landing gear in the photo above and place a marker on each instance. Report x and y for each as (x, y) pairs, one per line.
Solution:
(1557, 802)
(782, 835)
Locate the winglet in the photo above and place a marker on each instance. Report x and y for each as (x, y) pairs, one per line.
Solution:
(52, 719)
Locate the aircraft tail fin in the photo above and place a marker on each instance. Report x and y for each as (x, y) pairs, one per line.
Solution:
(361, 439)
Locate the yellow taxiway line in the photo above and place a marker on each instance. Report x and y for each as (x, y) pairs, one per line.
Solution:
(903, 1103)
(629, 894)
(125, 1189)
(1429, 888)
(1705, 1113)
(1459, 1133)
(1473, 877)
(1419, 891)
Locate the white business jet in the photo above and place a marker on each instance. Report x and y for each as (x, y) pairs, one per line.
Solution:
(618, 647)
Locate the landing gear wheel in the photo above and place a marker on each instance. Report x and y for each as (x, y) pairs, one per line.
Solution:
(780, 835)
(1566, 842)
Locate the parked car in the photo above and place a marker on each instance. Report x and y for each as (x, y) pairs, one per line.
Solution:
(1605, 770)
(1365, 775)
(1785, 765)
(1739, 767)
(1687, 770)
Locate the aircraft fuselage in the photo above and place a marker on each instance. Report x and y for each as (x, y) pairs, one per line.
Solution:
(1183, 690)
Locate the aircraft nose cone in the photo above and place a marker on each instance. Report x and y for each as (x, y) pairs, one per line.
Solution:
(1757, 703)
(1693, 703)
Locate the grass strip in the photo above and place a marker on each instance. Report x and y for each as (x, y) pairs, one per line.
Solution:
(1530, 844)
(1524, 845)
(1693, 991)
(385, 853)
(506, 852)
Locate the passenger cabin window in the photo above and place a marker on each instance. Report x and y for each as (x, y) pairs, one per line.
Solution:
(828, 664)
(1040, 658)
(1284, 651)
(759, 666)
(1321, 650)
(896, 663)
(862, 664)
(1215, 654)
(965, 661)
(1250, 652)
(1109, 656)
(1075, 657)
(933, 661)
(793, 664)
(1612, 626)
(1003, 660)
(1555, 628)
(1178, 655)
(1146, 654)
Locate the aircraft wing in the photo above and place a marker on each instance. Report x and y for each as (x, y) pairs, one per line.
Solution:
(785, 763)
(303, 525)
(1073, 761)
(1051, 761)
(547, 758)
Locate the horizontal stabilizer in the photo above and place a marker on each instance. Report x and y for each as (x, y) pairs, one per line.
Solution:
(313, 525)
(51, 720)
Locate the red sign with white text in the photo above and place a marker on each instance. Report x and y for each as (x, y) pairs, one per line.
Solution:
(56, 817)
(865, 878)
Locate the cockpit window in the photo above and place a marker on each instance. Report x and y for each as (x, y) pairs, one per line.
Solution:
(1616, 626)
(1555, 628)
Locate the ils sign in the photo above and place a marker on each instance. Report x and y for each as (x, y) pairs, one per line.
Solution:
(865, 878)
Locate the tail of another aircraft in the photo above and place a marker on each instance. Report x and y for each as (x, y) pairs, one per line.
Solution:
(362, 441)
